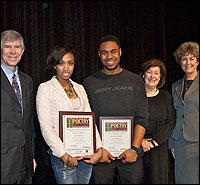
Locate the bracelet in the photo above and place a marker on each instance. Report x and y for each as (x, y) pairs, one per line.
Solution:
(153, 143)
(68, 158)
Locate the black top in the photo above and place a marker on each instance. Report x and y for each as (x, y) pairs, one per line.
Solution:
(162, 116)
(122, 94)
(160, 126)
(187, 84)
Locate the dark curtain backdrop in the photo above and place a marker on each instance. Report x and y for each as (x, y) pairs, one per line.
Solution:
(145, 28)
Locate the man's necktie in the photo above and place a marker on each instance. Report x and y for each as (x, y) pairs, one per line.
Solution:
(16, 89)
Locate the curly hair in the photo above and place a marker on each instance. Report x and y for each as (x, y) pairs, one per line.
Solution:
(185, 49)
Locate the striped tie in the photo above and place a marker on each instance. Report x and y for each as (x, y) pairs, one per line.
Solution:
(16, 89)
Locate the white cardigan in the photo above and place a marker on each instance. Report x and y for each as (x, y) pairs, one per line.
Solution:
(50, 99)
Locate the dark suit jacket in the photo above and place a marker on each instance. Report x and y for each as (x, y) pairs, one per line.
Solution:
(16, 131)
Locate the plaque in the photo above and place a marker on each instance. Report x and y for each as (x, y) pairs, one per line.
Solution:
(116, 133)
(78, 133)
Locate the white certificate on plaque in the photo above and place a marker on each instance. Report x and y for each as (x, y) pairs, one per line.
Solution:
(77, 131)
(116, 133)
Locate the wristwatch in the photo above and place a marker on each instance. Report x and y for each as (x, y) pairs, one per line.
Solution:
(138, 150)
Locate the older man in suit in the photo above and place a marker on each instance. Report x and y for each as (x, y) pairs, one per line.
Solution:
(17, 159)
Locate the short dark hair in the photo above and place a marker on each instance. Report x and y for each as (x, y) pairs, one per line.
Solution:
(153, 62)
(107, 38)
(54, 57)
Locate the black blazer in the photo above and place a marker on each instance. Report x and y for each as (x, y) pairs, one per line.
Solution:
(16, 131)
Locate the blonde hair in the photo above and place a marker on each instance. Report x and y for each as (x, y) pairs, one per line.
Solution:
(185, 49)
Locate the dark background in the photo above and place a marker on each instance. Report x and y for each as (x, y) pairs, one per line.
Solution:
(145, 28)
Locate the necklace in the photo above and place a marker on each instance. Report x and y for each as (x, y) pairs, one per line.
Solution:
(69, 90)
(152, 92)
(188, 84)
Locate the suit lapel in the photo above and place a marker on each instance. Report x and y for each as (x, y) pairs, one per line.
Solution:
(61, 91)
(24, 91)
(194, 85)
(179, 90)
(80, 94)
(5, 84)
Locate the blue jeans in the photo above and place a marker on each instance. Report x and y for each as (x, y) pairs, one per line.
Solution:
(73, 175)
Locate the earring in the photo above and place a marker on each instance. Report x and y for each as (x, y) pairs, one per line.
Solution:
(142, 76)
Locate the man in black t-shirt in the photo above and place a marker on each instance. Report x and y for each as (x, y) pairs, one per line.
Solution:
(114, 91)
